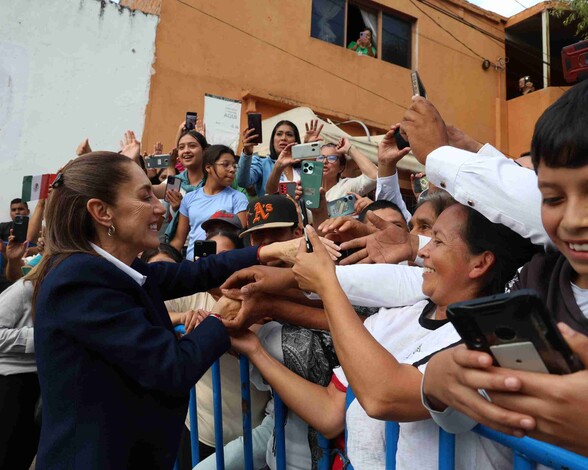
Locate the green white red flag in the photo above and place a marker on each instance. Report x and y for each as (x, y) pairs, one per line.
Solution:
(36, 187)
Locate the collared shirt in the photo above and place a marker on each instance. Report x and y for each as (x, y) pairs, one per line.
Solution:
(135, 275)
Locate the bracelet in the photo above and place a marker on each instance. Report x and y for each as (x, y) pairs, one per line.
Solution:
(349, 151)
(216, 315)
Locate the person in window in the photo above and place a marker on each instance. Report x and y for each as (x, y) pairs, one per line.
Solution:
(363, 46)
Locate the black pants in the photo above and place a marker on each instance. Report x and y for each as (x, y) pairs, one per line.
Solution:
(19, 434)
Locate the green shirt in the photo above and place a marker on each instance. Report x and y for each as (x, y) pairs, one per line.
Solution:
(361, 50)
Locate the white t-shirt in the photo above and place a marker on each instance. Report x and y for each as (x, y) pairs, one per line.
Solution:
(412, 339)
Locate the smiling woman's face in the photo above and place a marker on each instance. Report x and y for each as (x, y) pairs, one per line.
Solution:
(136, 215)
(190, 152)
(447, 259)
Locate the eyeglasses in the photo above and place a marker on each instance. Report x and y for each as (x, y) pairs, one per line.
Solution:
(330, 158)
(227, 165)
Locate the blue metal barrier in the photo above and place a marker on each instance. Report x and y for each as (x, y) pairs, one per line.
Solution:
(280, 412)
(527, 451)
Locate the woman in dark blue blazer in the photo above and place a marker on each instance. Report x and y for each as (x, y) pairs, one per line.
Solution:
(114, 378)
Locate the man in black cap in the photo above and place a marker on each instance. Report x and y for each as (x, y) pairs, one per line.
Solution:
(272, 219)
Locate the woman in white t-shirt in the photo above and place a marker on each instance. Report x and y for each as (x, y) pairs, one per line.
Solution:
(216, 194)
(383, 360)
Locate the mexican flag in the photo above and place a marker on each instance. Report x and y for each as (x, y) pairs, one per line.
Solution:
(36, 187)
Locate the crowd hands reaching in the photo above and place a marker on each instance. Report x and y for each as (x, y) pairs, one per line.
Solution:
(366, 307)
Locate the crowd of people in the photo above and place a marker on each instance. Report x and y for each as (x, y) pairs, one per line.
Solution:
(93, 374)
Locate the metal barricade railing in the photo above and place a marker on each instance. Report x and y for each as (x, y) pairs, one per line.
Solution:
(527, 451)
(280, 412)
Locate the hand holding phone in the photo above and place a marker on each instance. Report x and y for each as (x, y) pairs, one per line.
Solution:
(516, 330)
(343, 206)
(254, 122)
(20, 227)
(287, 188)
(173, 182)
(304, 216)
(191, 118)
(311, 179)
(157, 161)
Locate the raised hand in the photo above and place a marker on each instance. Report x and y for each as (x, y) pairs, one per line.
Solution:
(285, 158)
(361, 202)
(200, 127)
(344, 228)
(460, 140)
(390, 244)
(158, 148)
(424, 127)
(313, 131)
(315, 270)
(388, 152)
(249, 137)
(15, 250)
(83, 148)
(130, 146)
(174, 198)
(343, 146)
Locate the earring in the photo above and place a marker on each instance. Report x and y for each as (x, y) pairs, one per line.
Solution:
(111, 230)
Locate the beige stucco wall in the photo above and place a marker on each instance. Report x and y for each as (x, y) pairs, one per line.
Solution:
(263, 49)
(523, 113)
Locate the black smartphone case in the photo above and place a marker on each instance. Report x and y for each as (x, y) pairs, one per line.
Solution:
(254, 121)
(515, 317)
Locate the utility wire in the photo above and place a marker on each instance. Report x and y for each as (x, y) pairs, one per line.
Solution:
(446, 30)
(293, 55)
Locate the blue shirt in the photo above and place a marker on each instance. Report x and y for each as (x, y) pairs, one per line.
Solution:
(198, 206)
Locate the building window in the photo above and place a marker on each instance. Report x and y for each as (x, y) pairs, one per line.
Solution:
(348, 24)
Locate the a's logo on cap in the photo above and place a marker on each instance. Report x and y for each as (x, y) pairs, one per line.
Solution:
(261, 211)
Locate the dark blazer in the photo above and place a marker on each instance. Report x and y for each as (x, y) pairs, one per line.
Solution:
(114, 379)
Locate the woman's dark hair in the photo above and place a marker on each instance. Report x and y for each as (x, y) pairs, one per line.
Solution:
(377, 205)
(273, 154)
(367, 28)
(197, 135)
(165, 249)
(212, 154)
(560, 138)
(511, 251)
(69, 227)
(237, 242)
(440, 199)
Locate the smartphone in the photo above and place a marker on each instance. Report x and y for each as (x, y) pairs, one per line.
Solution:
(420, 184)
(157, 161)
(311, 179)
(417, 89)
(20, 227)
(343, 206)
(191, 118)
(516, 330)
(417, 85)
(309, 150)
(204, 248)
(304, 216)
(172, 183)
(287, 188)
(254, 122)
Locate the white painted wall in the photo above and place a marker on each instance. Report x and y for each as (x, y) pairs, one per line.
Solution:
(69, 69)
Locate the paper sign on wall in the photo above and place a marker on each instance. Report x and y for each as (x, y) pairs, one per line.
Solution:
(222, 117)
